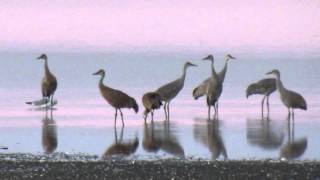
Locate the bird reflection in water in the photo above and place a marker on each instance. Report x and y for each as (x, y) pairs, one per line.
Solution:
(162, 136)
(265, 133)
(49, 134)
(293, 148)
(207, 132)
(121, 147)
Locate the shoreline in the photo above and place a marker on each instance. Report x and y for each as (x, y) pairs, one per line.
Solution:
(81, 166)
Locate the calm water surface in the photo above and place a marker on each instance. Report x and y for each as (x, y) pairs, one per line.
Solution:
(82, 122)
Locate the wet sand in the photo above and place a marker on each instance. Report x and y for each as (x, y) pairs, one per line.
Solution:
(64, 166)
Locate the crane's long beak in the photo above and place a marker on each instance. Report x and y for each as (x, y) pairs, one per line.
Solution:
(193, 64)
(206, 58)
(233, 57)
(96, 73)
(269, 73)
(40, 57)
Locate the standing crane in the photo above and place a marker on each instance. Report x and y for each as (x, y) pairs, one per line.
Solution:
(49, 82)
(116, 98)
(171, 90)
(151, 101)
(290, 99)
(214, 87)
(200, 90)
(264, 87)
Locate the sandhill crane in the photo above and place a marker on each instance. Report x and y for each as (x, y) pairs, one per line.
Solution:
(200, 90)
(120, 147)
(264, 87)
(151, 101)
(116, 98)
(289, 98)
(171, 90)
(214, 87)
(49, 134)
(49, 82)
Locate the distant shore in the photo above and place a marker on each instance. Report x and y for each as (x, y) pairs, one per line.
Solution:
(63, 166)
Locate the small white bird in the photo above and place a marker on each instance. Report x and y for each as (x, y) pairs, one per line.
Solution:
(43, 103)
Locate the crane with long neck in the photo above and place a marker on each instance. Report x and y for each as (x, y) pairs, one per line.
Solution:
(290, 99)
(214, 87)
(49, 82)
(116, 98)
(170, 90)
(200, 90)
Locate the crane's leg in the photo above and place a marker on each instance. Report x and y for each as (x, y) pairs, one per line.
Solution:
(51, 100)
(209, 109)
(262, 103)
(289, 114)
(47, 100)
(165, 109)
(292, 113)
(116, 134)
(46, 111)
(215, 112)
(121, 133)
(168, 110)
(152, 115)
(217, 107)
(115, 118)
(268, 104)
(145, 116)
(51, 114)
(121, 117)
(292, 126)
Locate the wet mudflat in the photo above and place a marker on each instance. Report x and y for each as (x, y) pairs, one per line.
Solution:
(63, 166)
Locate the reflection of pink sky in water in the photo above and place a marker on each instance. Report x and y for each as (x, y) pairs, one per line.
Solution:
(183, 112)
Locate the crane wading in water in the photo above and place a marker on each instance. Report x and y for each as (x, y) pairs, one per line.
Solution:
(214, 88)
(116, 98)
(169, 91)
(290, 99)
(200, 90)
(49, 82)
(264, 87)
(151, 101)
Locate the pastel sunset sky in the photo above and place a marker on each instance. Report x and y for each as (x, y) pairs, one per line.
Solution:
(61, 24)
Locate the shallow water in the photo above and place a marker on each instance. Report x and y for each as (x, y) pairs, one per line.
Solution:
(83, 122)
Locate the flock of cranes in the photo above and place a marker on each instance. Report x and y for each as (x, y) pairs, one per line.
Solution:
(211, 88)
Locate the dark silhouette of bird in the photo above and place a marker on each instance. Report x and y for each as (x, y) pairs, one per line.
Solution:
(116, 98)
(264, 87)
(151, 101)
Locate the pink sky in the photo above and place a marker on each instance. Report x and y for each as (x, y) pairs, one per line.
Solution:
(120, 24)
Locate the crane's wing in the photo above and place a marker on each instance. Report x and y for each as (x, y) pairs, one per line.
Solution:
(297, 101)
(268, 84)
(200, 90)
(170, 90)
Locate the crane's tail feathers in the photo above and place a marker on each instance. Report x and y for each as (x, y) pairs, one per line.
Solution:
(197, 93)
(135, 106)
(304, 107)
